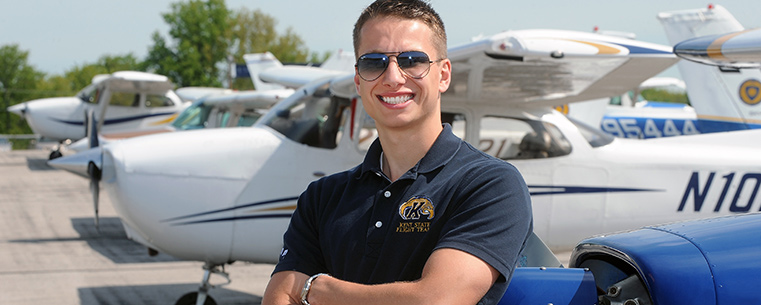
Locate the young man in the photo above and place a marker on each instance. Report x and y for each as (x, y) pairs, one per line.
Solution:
(426, 218)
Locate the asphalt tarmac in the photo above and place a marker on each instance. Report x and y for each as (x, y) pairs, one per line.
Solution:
(52, 253)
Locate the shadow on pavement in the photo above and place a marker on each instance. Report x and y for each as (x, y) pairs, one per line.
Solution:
(159, 294)
(111, 241)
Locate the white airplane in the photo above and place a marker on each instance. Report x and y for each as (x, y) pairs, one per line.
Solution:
(212, 108)
(137, 103)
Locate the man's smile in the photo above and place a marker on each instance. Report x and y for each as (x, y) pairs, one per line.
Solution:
(396, 100)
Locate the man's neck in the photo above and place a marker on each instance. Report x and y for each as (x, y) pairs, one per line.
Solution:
(402, 149)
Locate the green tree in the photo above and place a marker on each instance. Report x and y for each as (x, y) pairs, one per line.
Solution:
(19, 81)
(254, 32)
(80, 76)
(661, 95)
(114, 63)
(200, 32)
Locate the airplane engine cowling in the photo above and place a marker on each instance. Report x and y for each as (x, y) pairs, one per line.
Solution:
(709, 261)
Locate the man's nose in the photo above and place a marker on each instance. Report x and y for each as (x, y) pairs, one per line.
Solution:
(394, 74)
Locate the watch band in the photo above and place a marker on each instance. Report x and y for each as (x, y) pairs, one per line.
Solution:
(308, 286)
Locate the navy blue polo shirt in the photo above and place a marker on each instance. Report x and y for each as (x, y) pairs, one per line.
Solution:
(359, 226)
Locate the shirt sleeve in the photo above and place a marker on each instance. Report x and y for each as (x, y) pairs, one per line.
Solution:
(301, 251)
(492, 217)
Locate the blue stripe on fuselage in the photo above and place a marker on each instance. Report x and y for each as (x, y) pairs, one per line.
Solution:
(561, 190)
(232, 209)
(114, 121)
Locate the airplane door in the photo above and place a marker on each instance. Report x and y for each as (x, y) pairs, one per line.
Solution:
(122, 111)
(312, 135)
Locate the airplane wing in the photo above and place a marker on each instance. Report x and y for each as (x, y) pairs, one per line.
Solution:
(195, 93)
(139, 81)
(296, 76)
(253, 98)
(552, 67)
(736, 50)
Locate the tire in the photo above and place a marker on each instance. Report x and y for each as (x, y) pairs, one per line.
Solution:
(190, 299)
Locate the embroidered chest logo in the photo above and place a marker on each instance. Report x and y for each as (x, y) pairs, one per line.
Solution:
(414, 210)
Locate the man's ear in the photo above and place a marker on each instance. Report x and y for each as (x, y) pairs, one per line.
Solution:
(446, 75)
(356, 80)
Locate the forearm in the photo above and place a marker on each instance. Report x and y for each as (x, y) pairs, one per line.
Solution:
(441, 283)
(337, 292)
(284, 288)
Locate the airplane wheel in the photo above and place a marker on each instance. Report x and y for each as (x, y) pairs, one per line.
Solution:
(190, 299)
(55, 154)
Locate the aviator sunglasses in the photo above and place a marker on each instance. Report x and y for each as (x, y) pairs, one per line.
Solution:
(414, 64)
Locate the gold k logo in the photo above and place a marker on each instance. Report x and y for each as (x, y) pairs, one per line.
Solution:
(416, 207)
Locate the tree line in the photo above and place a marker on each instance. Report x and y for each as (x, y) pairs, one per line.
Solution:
(204, 37)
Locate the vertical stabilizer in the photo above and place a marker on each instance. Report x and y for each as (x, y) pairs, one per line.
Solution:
(724, 99)
(258, 62)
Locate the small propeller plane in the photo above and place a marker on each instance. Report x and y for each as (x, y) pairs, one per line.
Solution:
(222, 195)
(137, 103)
(212, 108)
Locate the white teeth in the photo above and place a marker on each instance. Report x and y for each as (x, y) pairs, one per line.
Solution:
(397, 99)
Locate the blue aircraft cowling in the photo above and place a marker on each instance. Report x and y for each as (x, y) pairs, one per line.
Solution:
(709, 261)
(557, 286)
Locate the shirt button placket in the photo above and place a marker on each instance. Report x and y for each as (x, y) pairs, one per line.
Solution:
(379, 224)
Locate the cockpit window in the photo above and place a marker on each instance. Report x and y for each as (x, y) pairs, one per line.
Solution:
(124, 99)
(511, 138)
(313, 120)
(157, 100)
(594, 136)
(89, 94)
(194, 117)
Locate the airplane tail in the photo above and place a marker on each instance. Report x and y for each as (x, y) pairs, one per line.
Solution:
(339, 61)
(724, 99)
(258, 62)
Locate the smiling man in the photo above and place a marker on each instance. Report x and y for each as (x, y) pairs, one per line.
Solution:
(426, 218)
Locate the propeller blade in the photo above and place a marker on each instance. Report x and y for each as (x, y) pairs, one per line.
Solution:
(91, 128)
(95, 174)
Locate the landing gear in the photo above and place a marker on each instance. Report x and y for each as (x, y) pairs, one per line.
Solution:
(56, 152)
(202, 296)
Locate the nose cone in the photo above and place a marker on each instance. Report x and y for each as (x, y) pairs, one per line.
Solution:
(19, 109)
(78, 163)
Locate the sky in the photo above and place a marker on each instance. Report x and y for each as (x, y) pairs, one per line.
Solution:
(62, 34)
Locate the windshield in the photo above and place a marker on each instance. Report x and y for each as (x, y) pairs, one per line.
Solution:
(194, 117)
(89, 94)
(314, 120)
(594, 136)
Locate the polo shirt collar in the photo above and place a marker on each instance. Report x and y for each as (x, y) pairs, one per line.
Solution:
(443, 149)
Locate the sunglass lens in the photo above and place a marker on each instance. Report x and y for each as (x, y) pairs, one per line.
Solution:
(415, 64)
(371, 66)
